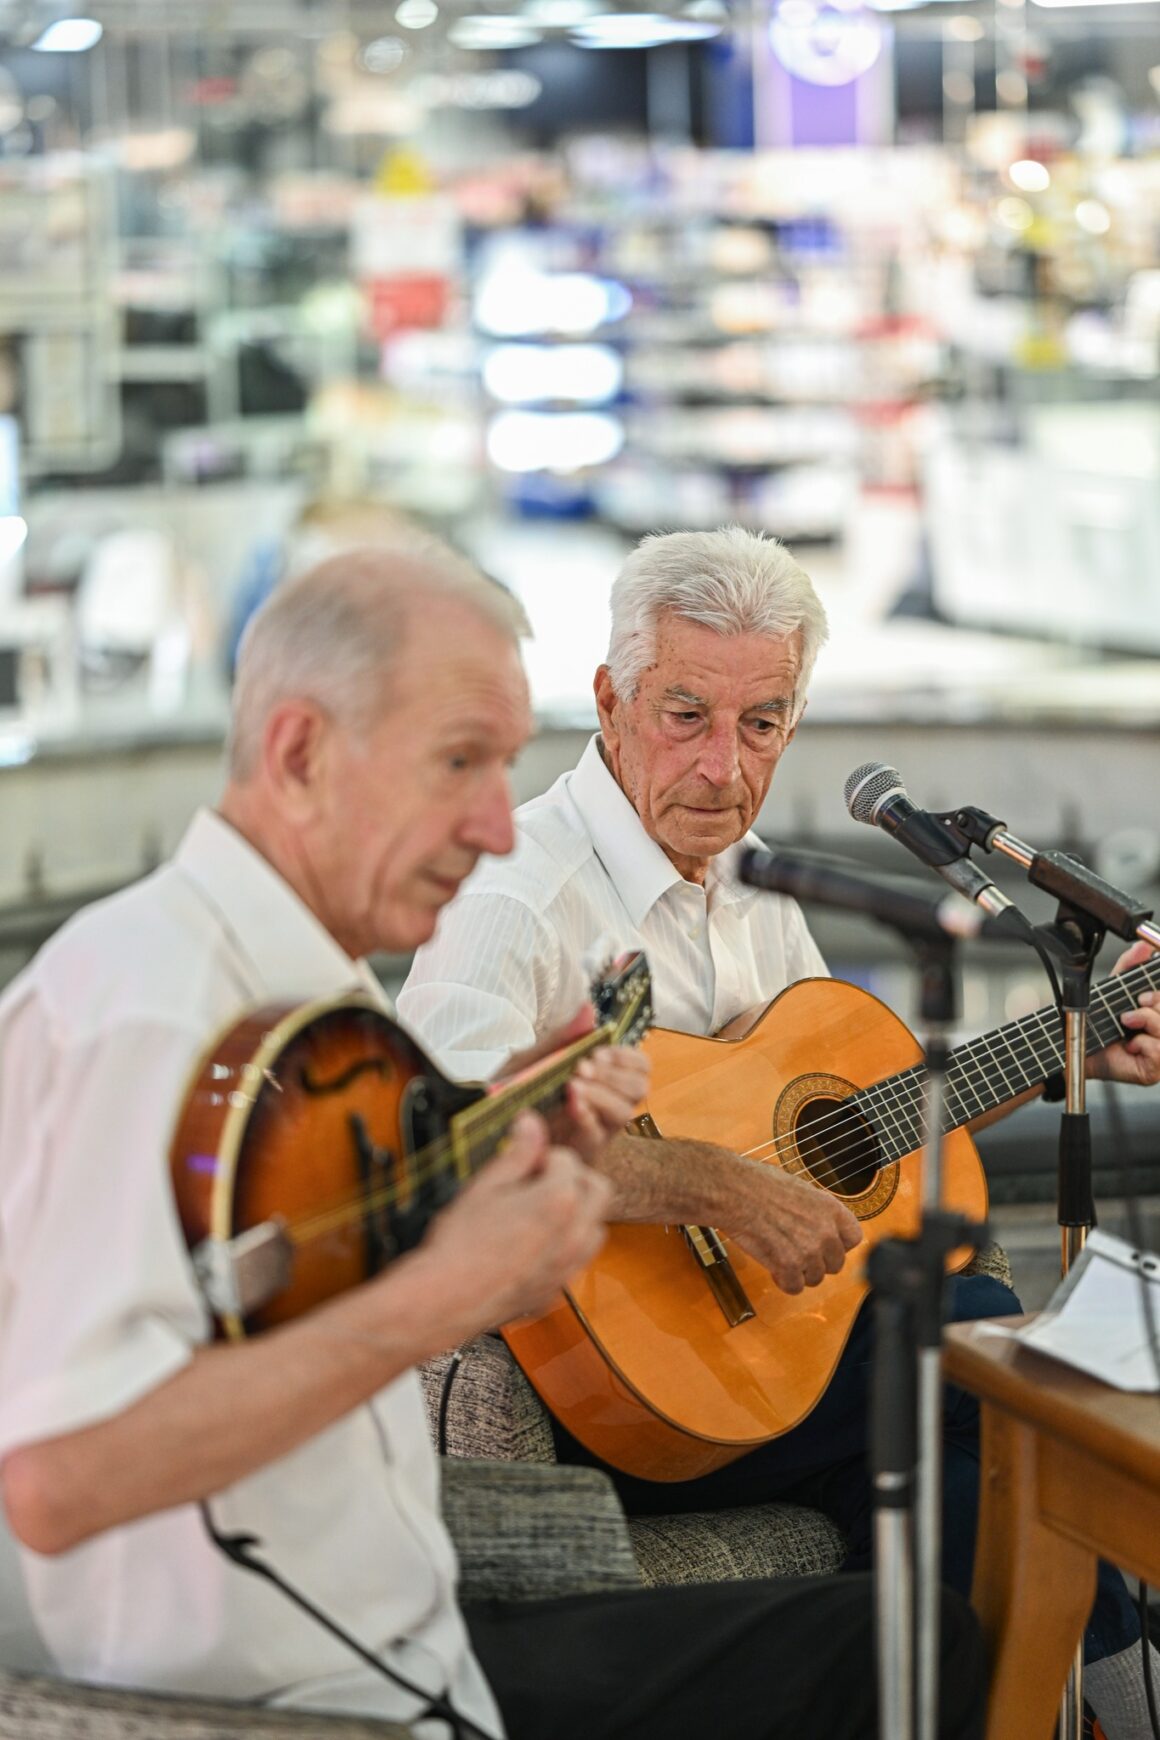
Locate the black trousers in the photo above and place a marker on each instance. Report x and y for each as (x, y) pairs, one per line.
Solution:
(784, 1660)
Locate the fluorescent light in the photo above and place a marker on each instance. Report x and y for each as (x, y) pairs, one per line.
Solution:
(69, 36)
(1094, 2)
(558, 14)
(641, 30)
(543, 441)
(1029, 176)
(416, 14)
(1093, 216)
(481, 30)
(516, 302)
(534, 374)
(13, 532)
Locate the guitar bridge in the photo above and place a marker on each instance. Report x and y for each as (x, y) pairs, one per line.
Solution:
(706, 1245)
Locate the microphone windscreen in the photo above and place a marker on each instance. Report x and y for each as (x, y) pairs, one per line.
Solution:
(869, 786)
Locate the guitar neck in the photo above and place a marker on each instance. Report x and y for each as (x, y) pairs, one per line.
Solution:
(999, 1066)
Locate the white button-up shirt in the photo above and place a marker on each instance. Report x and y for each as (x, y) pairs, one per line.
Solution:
(515, 950)
(98, 1306)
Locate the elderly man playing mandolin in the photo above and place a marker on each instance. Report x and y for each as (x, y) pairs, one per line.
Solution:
(379, 702)
(714, 637)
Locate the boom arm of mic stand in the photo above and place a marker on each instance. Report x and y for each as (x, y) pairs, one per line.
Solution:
(1061, 875)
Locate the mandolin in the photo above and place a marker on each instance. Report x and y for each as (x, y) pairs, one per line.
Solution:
(316, 1143)
(674, 1352)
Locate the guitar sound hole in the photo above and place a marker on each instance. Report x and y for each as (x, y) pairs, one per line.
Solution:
(837, 1146)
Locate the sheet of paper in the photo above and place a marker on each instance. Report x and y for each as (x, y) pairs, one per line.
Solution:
(1098, 1318)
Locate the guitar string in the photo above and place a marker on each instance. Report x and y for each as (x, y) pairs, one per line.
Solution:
(910, 1097)
(426, 1162)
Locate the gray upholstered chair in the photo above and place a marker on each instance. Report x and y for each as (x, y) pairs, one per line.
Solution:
(492, 1412)
(523, 1532)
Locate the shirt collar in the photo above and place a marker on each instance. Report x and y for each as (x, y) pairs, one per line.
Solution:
(292, 955)
(639, 869)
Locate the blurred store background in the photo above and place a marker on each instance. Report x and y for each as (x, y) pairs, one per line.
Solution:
(882, 278)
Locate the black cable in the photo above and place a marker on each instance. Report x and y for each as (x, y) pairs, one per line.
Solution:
(239, 1550)
(449, 1377)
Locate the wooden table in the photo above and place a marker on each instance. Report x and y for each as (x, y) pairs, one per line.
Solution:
(1070, 1471)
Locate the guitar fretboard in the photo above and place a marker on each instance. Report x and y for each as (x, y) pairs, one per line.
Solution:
(999, 1066)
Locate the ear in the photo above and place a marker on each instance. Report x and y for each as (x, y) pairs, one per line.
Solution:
(296, 744)
(606, 705)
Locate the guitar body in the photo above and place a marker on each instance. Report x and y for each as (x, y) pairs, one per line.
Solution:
(638, 1359)
(297, 1112)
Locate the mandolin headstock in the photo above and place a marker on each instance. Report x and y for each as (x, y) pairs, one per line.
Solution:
(622, 998)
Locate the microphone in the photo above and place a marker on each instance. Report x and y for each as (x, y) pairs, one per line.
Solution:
(916, 915)
(876, 795)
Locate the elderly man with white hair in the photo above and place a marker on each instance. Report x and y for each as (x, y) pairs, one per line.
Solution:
(714, 637)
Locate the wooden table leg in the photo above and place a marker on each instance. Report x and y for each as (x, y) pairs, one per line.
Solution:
(1033, 1590)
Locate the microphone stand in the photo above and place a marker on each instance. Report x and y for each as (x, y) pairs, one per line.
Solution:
(908, 1277)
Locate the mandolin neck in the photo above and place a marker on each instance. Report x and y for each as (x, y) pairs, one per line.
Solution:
(999, 1066)
(478, 1131)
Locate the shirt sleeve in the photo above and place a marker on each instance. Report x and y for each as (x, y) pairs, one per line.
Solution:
(102, 1304)
(483, 987)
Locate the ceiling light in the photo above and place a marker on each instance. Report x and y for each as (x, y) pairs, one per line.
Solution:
(536, 374)
(641, 30)
(558, 14)
(1093, 216)
(1029, 176)
(383, 55)
(1015, 214)
(480, 30)
(416, 14)
(825, 42)
(515, 303)
(69, 36)
(553, 441)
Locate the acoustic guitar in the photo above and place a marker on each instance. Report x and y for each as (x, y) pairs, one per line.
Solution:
(674, 1352)
(317, 1142)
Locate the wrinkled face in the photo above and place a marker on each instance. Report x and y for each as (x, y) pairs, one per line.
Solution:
(695, 748)
(409, 807)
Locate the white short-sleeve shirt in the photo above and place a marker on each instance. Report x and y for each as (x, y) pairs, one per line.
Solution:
(511, 958)
(98, 1305)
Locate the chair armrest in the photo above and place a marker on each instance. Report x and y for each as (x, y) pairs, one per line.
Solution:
(528, 1532)
(493, 1412)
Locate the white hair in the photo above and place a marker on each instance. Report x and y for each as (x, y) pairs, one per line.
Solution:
(732, 581)
(331, 636)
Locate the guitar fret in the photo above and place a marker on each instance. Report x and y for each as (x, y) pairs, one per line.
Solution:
(998, 1066)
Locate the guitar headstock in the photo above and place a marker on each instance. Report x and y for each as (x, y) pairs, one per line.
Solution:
(622, 999)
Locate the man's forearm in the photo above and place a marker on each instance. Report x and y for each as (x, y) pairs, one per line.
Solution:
(674, 1182)
(233, 1409)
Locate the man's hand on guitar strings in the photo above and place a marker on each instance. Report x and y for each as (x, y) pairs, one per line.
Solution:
(799, 1233)
(1135, 1060)
(526, 1222)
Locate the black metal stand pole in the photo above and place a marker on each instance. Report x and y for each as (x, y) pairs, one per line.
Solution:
(909, 1281)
